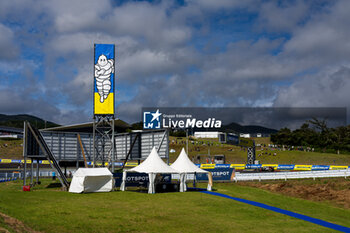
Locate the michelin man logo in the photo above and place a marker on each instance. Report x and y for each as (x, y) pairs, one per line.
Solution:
(151, 120)
(103, 70)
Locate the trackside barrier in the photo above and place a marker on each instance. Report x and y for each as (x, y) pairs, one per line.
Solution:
(8, 179)
(8, 176)
(290, 175)
(295, 167)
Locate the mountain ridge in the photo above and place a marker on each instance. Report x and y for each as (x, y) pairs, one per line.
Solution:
(237, 128)
(16, 121)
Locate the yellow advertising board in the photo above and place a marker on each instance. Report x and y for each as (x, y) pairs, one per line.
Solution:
(131, 164)
(302, 167)
(338, 167)
(238, 166)
(207, 166)
(6, 160)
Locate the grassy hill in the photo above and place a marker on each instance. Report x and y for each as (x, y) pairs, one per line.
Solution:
(235, 154)
(16, 121)
(12, 149)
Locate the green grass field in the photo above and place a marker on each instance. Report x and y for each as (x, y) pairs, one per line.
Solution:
(50, 210)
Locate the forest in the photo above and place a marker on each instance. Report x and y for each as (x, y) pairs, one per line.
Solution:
(316, 134)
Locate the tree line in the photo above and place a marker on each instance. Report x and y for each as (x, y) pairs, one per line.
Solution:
(316, 134)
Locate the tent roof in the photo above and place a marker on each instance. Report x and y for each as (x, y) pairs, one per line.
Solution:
(184, 165)
(153, 164)
(103, 171)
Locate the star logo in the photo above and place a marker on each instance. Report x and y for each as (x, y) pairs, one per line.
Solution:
(156, 115)
(151, 120)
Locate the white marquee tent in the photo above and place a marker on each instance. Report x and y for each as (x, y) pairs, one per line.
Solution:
(92, 180)
(185, 166)
(152, 165)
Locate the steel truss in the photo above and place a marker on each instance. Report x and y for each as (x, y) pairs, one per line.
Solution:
(103, 140)
(251, 154)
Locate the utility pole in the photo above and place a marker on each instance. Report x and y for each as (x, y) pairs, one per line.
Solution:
(187, 141)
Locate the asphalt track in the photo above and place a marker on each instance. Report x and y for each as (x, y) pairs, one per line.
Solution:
(285, 212)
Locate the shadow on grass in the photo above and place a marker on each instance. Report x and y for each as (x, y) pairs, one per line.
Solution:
(145, 190)
(54, 185)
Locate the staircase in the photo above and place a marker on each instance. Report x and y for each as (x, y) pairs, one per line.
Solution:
(49, 156)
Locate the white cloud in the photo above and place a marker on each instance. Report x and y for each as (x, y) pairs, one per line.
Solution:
(282, 16)
(78, 15)
(325, 89)
(162, 52)
(222, 4)
(8, 49)
(323, 40)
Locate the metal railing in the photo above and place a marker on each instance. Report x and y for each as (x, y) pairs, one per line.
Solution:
(291, 175)
(8, 176)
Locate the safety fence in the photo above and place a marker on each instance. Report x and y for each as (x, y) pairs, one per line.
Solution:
(221, 174)
(8, 176)
(290, 175)
(7, 179)
(46, 162)
(286, 167)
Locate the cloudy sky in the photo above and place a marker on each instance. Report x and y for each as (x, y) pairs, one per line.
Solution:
(222, 53)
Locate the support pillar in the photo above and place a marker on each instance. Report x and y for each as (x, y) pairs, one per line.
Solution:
(25, 152)
(113, 147)
(31, 172)
(25, 171)
(37, 171)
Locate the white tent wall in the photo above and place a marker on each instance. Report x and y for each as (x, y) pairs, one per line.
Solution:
(77, 185)
(180, 169)
(98, 184)
(185, 166)
(153, 165)
(122, 186)
(183, 187)
(151, 187)
(92, 180)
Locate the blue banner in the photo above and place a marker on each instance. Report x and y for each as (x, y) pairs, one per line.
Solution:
(135, 179)
(285, 167)
(219, 174)
(319, 167)
(222, 165)
(253, 166)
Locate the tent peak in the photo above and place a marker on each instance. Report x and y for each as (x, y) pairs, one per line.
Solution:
(153, 164)
(185, 165)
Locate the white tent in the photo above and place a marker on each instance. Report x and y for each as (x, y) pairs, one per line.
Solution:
(91, 180)
(152, 165)
(184, 165)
